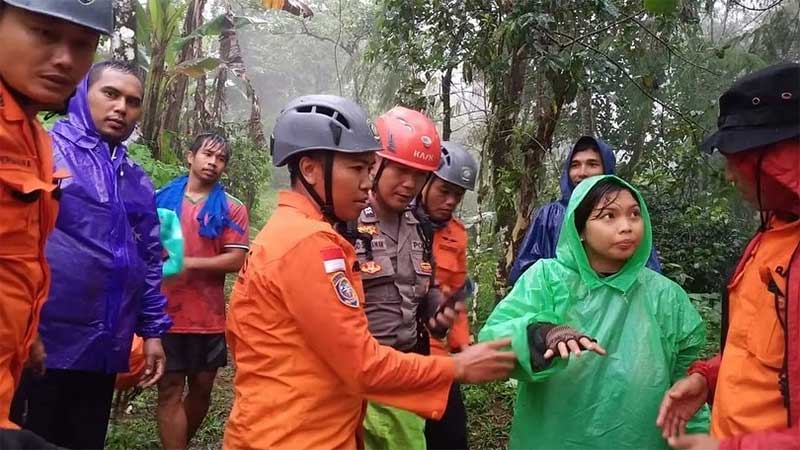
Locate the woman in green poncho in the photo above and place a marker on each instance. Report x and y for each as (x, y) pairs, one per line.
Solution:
(597, 291)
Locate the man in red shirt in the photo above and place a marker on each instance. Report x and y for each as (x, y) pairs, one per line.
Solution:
(214, 226)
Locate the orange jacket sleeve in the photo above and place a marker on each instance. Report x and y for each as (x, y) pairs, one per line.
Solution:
(458, 338)
(337, 332)
(451, 273)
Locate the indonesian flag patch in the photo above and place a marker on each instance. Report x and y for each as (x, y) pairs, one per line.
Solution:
(333, 259)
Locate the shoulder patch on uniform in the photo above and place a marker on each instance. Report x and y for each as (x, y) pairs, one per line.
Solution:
(417, 246)
(368, 229)
(344, 290)
(333, 259)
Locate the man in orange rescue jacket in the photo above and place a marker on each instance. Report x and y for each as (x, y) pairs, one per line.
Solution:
(305, 360)
(46, 48)
(754, 383)
(440, 197)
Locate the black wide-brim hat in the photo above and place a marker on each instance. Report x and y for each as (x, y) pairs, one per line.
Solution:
(760, 109)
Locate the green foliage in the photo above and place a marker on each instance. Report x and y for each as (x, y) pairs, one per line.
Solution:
(136, 427)
(250, 167)
(700, 225)
(48, 119)
(662, 7)
(708, 305)
(160, 172)
(490, 408)
(195, 68)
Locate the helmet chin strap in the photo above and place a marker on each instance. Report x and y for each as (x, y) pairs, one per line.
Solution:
(325, 206)
(378, 173)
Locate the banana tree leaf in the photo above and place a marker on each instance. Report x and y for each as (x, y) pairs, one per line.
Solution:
(195, 68)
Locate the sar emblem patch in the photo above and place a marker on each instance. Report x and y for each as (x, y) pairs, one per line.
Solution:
(344, 290)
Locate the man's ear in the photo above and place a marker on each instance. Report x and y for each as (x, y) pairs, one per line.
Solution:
(310, 169)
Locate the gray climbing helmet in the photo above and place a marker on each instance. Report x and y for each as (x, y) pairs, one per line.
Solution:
(321, 122)
(457, 166)
(95, 14)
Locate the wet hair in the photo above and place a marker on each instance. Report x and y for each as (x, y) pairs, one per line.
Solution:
(117, 65)
(213, 139)
(607, 187)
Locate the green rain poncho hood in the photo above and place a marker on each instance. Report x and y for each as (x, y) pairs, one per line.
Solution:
(646, 323)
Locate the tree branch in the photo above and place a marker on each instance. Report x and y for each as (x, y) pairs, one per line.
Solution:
(674, 51)
(576, 40)
(308, 32)
(644, 91)
(778, 2)
(335, 50)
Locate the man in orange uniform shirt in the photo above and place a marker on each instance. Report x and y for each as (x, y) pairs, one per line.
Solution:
(46, 48)
(305, 361)
(439, 198)
(754, 383)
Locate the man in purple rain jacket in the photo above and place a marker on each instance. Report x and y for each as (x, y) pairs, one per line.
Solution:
(105, 257)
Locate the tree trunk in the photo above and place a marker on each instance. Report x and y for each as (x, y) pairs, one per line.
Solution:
(586, 113)
(200, 112)
(447, 111)
(177, 92)
(218, 95)
(152, 117)
(505, 96)
(235, 64)
(123, 40)
(549, 105)
(636, 147)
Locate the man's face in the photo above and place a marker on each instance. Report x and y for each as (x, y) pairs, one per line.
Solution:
(399, 184)
(41, 57)
(115, 100)
(351, 183)
(208, 162)
(441, 199)
(350, 180)
(585, 163)
(743, 181)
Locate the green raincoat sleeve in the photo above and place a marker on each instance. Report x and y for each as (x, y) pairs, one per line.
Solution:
(689, 339)
(529, 302)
